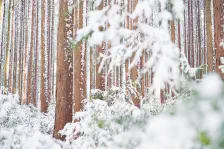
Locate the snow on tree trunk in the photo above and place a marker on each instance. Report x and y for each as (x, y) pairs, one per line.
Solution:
(44, 96)
(15, 41)
(22, 47)
(79, 76)
(199, 37)
(64, 81)
(31, 67)
(219, 33)
(11, 51)
(88, 87)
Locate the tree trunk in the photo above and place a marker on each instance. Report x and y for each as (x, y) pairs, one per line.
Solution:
(100, 83)
(64, 81)
(26, 9)
(52, 50)
(0, 11)
(31, 59)
(204, 34)
(179, 35)
(11, 50)
(35, 77)
(209, 36)
(199, 38)
(173, 34)
(100, 76)
(192, 36)
(14, 48)
(21, 52)
(79, 81)
(218, 20)
(134, 71)
(185, 33)
(173, 38)
(49, 49)
(2, 45)
(189, 34)
(43, 89)
(142, 63)
(7, 46)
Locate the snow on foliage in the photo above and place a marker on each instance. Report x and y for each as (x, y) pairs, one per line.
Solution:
(102, 125)
(210, 87)
(24, 127)
(189, 122)
(221, 67)
(130, 43)
(188, 71)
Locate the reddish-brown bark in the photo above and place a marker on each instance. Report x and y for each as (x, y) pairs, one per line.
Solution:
(218, 22)
(43, 89)
(79, 69)
(64, 79)
(209, 36)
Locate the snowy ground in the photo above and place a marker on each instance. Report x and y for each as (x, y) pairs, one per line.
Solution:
(196, 121)
(23, 126)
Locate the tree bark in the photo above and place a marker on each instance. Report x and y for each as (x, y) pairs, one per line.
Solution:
(218, 20)
(7, 46)
(35, 47)
(199, 38)
(192, 36)
(179, 35)
(79, 81)
(64, 81)
(21, 56)
(2, 46)
(185, 33)
(189, 34)
(31, 90)
(43, 89)
(11, 51)
(49, 49)
(199, 34)
(209, 36)
(0, 11)
(24, 94)
(173, 34)
(134, 71)
(14, 48)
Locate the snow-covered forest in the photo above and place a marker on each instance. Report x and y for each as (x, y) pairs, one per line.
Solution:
(111, 74)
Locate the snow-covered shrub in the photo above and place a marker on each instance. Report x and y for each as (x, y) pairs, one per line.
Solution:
(109, 95)
(3, 90)
(23, 126)
(22, 137)
(101, 124)
(13, 115)
(194, 121)
(189, 72)
(191, 122)
(118, 93)
(204, 111)
(187, 123)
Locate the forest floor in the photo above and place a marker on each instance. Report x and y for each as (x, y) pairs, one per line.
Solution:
(194, 119)
(23, 126)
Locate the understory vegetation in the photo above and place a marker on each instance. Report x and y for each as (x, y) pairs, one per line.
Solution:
(193, 119)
